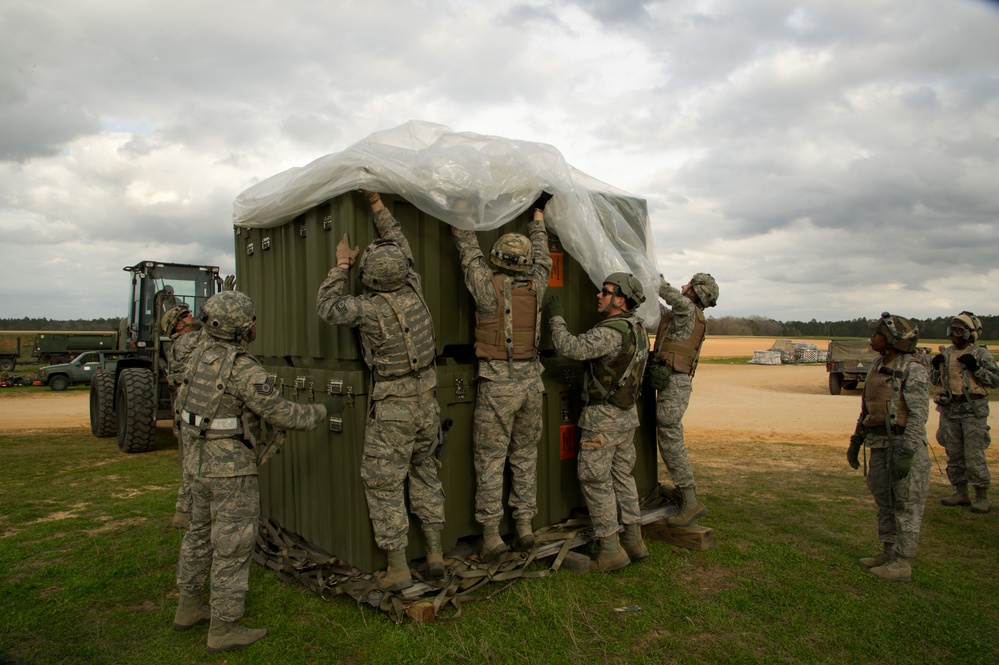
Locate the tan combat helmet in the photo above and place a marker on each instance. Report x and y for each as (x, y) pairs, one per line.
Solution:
(629, 286)
(512, 251)
(383, 266)
(900, 332)
(706, 288)
(970, 323)
(172, 316)
(229, 316)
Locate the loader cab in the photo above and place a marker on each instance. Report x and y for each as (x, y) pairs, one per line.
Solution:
(156, 287)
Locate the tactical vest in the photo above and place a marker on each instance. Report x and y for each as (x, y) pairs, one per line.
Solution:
(618, 381)
(681, 356)
(878, 393)
(491, 340)
(203, 394)
(959, 381)
(407, 341)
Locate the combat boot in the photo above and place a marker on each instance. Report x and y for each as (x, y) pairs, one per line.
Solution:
(611, 557)
(525, 536)
(191, 612)
(981, 502)
(959, 497)
(180, 520)
(397, 576)
(692, 509)
(435, 559)
(632, 542)
(898, 569)
(229, 636)
(880, 559)
(492, 545)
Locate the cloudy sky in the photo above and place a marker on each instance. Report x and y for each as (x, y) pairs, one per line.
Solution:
(822, 160)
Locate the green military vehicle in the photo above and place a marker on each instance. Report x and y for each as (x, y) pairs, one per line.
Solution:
(80, 370)
(129, 395)
(62, 347)
(847, 363)
(10, 351)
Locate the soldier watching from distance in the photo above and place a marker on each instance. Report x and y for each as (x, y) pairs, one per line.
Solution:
(963, 374)
(403, 426)
(507, 421)
(681, 333)
(615, 351)
(222, 393)
(892, 424)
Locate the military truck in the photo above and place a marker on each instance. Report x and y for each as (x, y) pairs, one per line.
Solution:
(80, 370)
(62, 347)
(10, 351)
(847, 363)
(130, 395)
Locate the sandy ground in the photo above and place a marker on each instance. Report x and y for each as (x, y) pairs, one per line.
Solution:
(730, 402)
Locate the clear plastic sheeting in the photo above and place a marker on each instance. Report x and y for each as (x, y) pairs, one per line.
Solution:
(474, 182)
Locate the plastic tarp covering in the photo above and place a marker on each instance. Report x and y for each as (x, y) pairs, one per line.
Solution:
(474, 182)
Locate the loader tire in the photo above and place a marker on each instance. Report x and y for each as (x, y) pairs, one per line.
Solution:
(135, 408)
(102, 417)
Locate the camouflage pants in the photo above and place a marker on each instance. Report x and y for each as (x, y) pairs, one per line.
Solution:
(900, 505)
(507, 425)
(671, 404)
(605, 465)
(184, 498)
(965, 436)
(216, 550)
(399, 440)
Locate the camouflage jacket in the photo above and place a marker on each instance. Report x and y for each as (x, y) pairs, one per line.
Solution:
(953, 380)
(181, 347)
(681, 313)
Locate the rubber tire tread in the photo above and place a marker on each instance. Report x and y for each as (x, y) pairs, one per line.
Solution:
(835, 383)
(7, 364)
(135, 410)
(59, 382)
(102, 417)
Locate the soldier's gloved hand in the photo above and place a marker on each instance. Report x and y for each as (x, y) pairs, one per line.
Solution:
(853, 452)
(902, 465)
(344, 254)
(230, 283)
(542, 201)
(554, 307)
(968, 361)
(938, 361)
(370, 196)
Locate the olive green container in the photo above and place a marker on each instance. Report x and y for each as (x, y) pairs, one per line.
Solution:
(313, 488)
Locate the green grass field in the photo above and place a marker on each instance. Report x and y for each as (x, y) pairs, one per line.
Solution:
(87, 561)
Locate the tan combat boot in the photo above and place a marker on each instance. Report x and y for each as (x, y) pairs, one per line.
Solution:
(229, 636)
(525, 536)
(435, 557)
(492, 545)
(397, 576)
(959, 497)
(692, 509)
(611, 557)
(191, 612)
(632, 542)
(880, 559)
(180, 520)
(898, 569)
(981, 502)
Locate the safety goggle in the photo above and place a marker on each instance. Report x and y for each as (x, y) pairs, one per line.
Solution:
(958, 331)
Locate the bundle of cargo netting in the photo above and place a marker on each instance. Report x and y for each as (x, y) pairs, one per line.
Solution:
(806, 353)
(786, 349)
(765, 358)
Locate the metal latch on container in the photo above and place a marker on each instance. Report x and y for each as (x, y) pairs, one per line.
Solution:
(299, 384)
(335, 387)
(327, 222)
(459, 387)
(265, 243)
(303, 230)
(336, 424)
(249, 249)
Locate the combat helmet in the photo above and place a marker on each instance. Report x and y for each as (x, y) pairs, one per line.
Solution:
(706, 288)
(971, 324)
(172, 316)
(383, 266)
(900, 332)
(629, 287)
(512, 251)
(229, 316)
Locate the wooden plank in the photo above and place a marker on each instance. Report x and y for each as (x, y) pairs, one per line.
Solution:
(693, 537)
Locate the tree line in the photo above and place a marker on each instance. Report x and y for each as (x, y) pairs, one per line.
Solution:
(29, 323)
(935, 328)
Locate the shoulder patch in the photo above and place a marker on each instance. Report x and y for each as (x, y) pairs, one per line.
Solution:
(267, 387)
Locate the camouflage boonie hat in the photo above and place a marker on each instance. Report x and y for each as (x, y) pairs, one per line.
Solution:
(512, 251)
(173, 315)
(629, 286)
(229, 315)
(706, 288)
(900, 332)
(383, 266)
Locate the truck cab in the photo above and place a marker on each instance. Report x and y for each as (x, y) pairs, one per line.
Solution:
(79, 370)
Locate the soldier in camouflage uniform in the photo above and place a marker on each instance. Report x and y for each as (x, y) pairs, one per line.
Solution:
(963, 374)
(223, 394)
(615, 351)
(892, 424)
(403, 427)
(184, 334)
(671, 370)
(507, 420)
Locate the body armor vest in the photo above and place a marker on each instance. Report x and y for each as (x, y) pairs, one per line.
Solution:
(203, 393)
(958, 380)
(618, 381)
(407, 341)
(878, 394)
(516, 311)
(681, 356)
